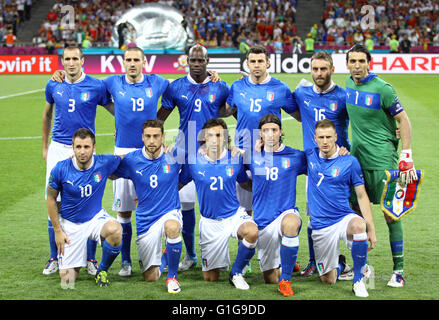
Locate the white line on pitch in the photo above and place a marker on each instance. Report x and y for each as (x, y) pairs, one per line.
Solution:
(20, 94)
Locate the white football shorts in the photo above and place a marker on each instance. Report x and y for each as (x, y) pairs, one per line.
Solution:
(188, 196)
(75, 254)
(124, 193)
(214, 238)
(245, 197)
(269, 241)
(149, 244)
(327, 244)
(55, 153)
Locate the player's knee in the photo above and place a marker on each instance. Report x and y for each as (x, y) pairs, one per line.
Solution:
(172, 228)
(211, 275)
(113, 233)
(152, 274)
(290, 225)
(249, 231)
(356, 225)
(329, 278)
(271, 276)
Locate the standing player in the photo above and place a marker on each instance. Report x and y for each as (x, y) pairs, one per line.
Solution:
(216, 174)
(198, 99)
(323, 100)
(374, 112)
(74, 101)
(155, 178)
(81, 183)
(330, 179)
(252, 98)
(135, 97)
(274, 172)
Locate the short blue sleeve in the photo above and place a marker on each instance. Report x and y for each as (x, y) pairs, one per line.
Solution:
(105, 96)
(242, 174)
(168, 98)
(230, 101)
(302, 169)
(185, 175)
(48, 91)
(357, 178)
(289, 106)
(54, 178)
(123, 170)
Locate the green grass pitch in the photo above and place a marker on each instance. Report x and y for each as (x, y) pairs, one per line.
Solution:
(23, 225)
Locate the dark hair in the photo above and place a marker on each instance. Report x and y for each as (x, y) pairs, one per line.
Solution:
(73, 47)
(271, 118)
(214, 122)
(325, 123)
(153, 124)
(322, 55)
(84, 133)
(257, 49)
(134, 49)
(358, 47)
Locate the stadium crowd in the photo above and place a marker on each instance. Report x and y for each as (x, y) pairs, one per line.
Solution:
(413, 20)
(216, 23)
(12, 14)
(242, 23)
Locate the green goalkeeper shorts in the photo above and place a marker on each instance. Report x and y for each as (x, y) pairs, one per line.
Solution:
(374, 183)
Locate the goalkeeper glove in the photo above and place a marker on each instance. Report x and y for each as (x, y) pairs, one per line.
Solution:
(407, 171)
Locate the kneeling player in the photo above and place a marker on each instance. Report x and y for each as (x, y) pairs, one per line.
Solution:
(215, 173)
(81, 183)
(330, 178)
(274, 172)
(155, 178)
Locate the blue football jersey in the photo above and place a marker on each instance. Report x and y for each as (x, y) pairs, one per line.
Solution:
(196, 104)
(215, 182)
(134, 103)
(253, 101)
(329, 187)
(156, 184)
(315, 106)
(274, 178)
(75, 106)
(82, 190)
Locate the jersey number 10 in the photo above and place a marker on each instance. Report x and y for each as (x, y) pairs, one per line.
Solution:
(86, 191)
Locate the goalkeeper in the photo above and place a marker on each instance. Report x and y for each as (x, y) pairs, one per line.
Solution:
(374, 113)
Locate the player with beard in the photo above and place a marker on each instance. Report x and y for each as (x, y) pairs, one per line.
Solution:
(321, 100)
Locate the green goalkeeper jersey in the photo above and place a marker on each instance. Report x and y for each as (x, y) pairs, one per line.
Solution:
(371, 107)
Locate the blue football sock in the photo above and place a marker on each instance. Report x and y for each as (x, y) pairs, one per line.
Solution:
(127, 233)
(340, 269)
(109, 253)
(52, 243)
(173, 252)
(246, 251)
(188, 232)
(310, 243)
(288, 256)
(91, 249)
(164, 261)
(359, 254)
